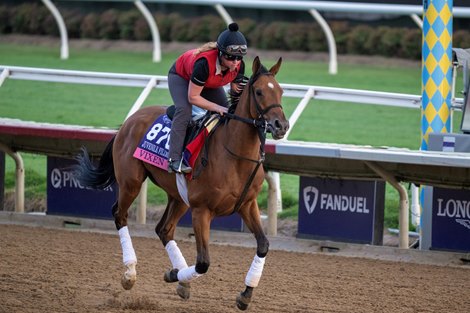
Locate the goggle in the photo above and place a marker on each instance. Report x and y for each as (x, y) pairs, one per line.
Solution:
(236, 49)
(232, 57)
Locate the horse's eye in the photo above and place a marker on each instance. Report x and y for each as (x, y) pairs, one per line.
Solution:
(259, 92)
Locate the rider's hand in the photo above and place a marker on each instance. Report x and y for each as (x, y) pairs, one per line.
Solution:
(221, 110)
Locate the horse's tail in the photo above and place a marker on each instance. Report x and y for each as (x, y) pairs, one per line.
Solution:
(96, 177)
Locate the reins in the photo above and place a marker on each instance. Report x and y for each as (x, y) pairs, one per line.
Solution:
(261, 126)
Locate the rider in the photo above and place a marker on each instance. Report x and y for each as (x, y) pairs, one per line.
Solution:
(196, 83)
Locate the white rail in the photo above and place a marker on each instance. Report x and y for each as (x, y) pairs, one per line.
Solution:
(148, 82)
(414, 11)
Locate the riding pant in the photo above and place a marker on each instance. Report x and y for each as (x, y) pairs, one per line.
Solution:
(184, 110)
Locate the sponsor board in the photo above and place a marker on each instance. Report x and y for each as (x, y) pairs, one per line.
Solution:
(66, 196)
(341, 210)
(450, 220)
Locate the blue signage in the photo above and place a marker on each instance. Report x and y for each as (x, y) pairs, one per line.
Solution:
(65, 195)
(450, 219)
(341, 210)
(231, 223)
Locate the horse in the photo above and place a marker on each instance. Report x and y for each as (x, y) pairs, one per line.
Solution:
(229, 183)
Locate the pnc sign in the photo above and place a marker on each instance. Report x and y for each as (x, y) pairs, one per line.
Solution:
(343, 210)
(66, 196)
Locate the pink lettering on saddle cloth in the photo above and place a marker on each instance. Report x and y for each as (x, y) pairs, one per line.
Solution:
(154, 146)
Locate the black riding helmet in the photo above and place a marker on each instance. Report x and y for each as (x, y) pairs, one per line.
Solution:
(231, 41)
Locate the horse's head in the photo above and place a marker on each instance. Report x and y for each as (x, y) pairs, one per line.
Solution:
(266, 93)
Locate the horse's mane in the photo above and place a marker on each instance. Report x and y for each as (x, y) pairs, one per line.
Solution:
(235, 95)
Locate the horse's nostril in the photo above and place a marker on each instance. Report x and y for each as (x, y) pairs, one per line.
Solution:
(277, 124)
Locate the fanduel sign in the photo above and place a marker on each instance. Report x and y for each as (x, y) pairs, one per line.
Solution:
(450, 219)
(344, 210)
(66, 196)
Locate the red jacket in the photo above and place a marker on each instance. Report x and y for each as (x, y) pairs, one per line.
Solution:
(185, 65)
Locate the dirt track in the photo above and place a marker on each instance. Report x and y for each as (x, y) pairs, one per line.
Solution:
(49, 270)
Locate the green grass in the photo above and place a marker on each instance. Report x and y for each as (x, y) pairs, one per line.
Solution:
(322, 121)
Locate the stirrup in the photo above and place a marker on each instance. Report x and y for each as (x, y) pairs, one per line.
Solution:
(178, 166)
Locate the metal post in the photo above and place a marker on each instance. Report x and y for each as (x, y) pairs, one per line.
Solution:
(436, 71)
(64, 41)
(333, 68)
(157, 53)
(222, 12)
(19, 178)
(403, 216)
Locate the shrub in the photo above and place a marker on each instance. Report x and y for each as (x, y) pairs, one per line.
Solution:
(126, 22)
(340, 29)
(179, 28)
(461, 39)
(89, 26)
(73, 19)
(108, 25)
(316, 40)
(5, 15)
(272, 36)
(142, 29)
(390, 42)
(199, 29)
(164, 26)
(297, 36)
(357, 39)
(411, 43)
(21, 18)
(372, 45)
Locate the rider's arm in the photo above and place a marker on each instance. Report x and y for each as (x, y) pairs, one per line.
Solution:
(195, 98)
(196, 84)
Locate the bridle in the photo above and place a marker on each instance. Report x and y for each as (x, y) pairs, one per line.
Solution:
(261, 126)
(259, 122)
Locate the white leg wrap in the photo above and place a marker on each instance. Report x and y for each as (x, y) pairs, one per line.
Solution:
(187, 274)
(128, 253)
(256, 270)
(175, 255)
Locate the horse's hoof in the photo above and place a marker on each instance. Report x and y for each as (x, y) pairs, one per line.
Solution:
(129, 277)
(171, 276)
(128, 282)
(243, 302)
(183, 290)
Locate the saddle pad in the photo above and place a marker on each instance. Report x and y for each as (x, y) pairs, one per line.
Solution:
(154, 146)
(193, 148)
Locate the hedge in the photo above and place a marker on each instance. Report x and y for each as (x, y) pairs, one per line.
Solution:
(33, 18)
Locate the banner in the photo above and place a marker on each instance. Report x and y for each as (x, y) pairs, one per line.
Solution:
(65, 195)
(341, 210)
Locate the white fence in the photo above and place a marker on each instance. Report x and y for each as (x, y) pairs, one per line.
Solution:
(313, 7)
(304, 92)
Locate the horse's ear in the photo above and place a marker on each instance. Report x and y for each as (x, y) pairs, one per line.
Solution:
(276, 67)
(256, 65)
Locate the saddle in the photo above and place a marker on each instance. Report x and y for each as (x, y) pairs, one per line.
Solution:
(199, 130)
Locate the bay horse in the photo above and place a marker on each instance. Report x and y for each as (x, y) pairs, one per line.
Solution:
(230, 182)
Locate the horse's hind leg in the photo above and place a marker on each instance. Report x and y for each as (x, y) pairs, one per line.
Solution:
(165, 230)
(251, 218)
(127, 194)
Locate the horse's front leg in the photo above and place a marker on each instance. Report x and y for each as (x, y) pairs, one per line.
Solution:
(251, 218)
(201, 220)
(165, 231)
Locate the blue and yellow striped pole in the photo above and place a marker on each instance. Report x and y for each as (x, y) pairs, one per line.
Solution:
(436, 68)
(436, 71)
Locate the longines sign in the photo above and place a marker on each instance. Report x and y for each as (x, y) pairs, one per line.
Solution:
(450, 219)
(343, 210)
